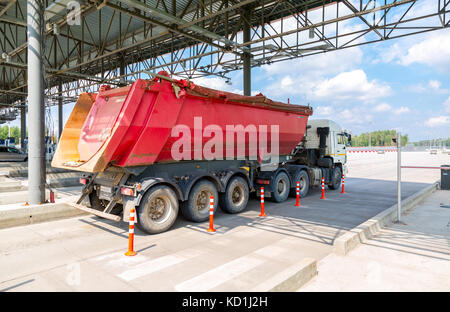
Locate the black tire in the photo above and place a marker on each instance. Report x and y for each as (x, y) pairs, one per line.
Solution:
(336, 176)
(281, 186)
(196, 208)
(157, 210)
(303, 177)
(236, 195)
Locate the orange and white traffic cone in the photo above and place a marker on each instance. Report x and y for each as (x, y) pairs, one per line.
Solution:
(262, 214)
(342, 192)
(211, 215)
(131, 251)
(297, 204)
(323, 188)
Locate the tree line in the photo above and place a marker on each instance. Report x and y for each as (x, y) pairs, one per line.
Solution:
(433, 143)
(15, 133)
(378, 138)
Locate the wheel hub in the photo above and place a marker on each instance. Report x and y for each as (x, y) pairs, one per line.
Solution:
(202, 201)
(157, 208)
(237, 195)
(281, 186)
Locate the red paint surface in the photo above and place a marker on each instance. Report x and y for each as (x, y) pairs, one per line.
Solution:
(138, 120)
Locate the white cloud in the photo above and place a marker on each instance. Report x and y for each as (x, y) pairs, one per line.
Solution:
(324, 110)
(383, 107)
(402, 110)
(432, 86)
(350, 86)
(434, 51)
(286, 81)
(438, 121)
(447, 105)
(318, 65)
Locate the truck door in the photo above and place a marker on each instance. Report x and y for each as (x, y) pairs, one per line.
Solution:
(340, 152)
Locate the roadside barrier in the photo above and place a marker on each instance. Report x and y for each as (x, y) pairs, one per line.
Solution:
(262, 214)
(342, 192)
(297, 204)
(211, 215)
(131, 251)
(323, 188)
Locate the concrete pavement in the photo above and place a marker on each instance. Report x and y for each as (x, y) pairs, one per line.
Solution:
(86, 253)
(414, 256)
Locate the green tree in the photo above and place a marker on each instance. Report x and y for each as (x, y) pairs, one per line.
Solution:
(378, 138)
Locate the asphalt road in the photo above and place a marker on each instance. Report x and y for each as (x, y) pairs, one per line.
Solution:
(86, 253)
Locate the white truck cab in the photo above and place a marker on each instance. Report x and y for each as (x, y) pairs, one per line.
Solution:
(336, 140)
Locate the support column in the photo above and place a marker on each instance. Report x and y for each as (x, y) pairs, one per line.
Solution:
(246, 15)
(23, 127)
(36, 145)
(60, 110)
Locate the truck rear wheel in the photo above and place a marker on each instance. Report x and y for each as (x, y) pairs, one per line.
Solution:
(158, 210)
(236, 195)
(302, 177)
(196, 208)
(281, 187)
(336, 176)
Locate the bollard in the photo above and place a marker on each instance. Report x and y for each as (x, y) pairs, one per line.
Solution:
(131, 251)
(262, 214)
(211, 215)
(297, 204)
(323, 188)
(52, 196)
(342, 192)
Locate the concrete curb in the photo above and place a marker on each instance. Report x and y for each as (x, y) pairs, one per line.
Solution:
(36, 214)
(350, 240)
(290, 279)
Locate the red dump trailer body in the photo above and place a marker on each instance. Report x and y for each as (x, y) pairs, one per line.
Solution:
(132, 126)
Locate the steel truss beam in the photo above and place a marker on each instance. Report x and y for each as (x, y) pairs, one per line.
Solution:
(119, 39)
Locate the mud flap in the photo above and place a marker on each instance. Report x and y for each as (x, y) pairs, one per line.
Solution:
(127, 205)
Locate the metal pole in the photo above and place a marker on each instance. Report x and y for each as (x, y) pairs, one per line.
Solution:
(246, 15)
(23, 127)
(399, 177)
(36, 150)
(60, 110)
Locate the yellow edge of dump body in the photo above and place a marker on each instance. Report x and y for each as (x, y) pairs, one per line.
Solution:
(67, 155)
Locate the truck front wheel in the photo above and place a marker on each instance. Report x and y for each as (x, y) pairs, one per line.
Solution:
(235, 198)
(281, 187)
(336, 176)
(196, 208)
(158, 210)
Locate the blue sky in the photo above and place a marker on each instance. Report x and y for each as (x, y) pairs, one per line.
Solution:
(369, 87)
(399, 84)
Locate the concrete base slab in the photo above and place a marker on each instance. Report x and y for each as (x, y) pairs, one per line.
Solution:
(15, 215)
(354, 237)
(413, 256)
(247, 252)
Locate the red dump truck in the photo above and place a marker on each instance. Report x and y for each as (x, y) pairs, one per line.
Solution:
(165, 145)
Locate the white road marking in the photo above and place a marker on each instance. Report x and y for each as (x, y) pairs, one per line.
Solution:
(150, 267)
(219, 275)
(270, 251)
(157, 264)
